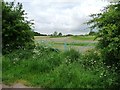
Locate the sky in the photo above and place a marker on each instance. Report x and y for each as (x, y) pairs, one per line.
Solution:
(65, 16)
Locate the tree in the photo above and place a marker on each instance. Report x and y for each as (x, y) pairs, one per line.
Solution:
(0, 28)
(60, 34)
(38, 34)
(16, 30)
(55, 33)
(92, 33)
(108, 24)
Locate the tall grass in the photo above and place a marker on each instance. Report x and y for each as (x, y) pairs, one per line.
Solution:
(48, 67)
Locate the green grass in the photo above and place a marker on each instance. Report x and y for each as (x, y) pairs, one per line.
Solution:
(77, 44)
(0, 69)
(77, 37)
(83, 37)
(51, 68)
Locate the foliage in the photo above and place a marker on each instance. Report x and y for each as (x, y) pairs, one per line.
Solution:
(72, 56)
(60, 34)
(16, 30)
(0, 28)
(47, 68)
(38, 34)
(55, 33)
(92, 33)
(69, 35)
(91, 59)
(108, 24)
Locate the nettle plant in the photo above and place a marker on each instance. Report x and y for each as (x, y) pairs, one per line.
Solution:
(108, 25)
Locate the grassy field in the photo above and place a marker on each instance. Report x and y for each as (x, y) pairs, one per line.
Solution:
(80, 43)
(83, 37)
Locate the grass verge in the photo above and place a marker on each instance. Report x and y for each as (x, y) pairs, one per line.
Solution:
(49, 68)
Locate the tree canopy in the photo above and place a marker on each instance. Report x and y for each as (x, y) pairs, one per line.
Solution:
(16, 30)
(60, 34)
(108, 24)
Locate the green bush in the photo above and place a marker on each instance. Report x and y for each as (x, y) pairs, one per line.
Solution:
(91, 59)
(16, 30)
(108, 24)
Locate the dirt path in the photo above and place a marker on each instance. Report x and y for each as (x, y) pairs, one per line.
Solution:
(16, 85)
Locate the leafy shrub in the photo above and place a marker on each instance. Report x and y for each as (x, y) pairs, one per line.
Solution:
(91, 59)
(107, 23)
(16, 30)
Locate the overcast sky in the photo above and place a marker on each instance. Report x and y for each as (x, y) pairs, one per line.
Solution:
(66, 16)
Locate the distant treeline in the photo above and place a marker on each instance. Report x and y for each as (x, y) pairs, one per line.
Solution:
(60, 34)
(39, 34)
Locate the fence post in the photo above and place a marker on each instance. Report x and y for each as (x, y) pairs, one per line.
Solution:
(65, 46)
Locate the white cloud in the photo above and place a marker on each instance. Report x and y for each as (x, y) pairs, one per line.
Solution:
(66, 16)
